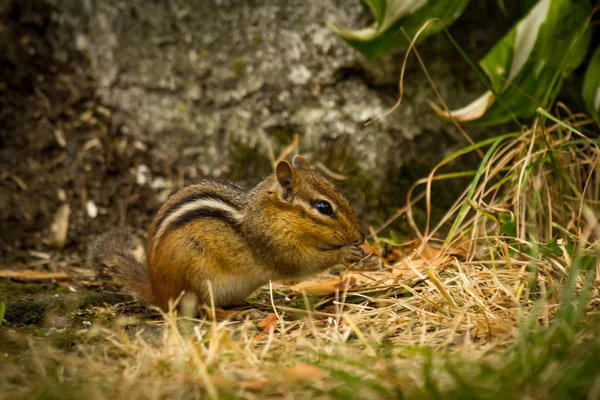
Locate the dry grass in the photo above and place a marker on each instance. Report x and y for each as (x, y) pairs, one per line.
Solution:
(474, 312)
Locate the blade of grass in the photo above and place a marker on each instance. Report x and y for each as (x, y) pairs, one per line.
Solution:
(464, 208)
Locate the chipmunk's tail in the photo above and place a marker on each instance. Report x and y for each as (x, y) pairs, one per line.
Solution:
(112, 252)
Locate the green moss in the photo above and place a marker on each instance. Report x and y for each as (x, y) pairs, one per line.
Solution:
(182, 108)
(66, 340)
(25, 312)
(248, 166)
(93, 299)
(102, 318)
(237, 67)
(10, 290)
(358, 186)
(283, 134)
(34, 308)
(256, 37)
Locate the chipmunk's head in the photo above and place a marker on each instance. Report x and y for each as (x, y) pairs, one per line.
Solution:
(313, 213)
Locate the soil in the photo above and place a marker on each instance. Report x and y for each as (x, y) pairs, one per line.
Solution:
(59, 145)
(63, 161)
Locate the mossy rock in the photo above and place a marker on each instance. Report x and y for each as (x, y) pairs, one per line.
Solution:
(31, 304)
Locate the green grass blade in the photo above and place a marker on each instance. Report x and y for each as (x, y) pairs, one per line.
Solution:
(465, 207)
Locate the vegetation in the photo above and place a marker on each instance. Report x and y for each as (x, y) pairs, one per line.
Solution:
(523, 71)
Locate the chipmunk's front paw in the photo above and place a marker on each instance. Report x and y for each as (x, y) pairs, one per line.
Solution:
(353, 254)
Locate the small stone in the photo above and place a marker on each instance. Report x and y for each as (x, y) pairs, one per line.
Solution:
(142, 175)
(92, 210)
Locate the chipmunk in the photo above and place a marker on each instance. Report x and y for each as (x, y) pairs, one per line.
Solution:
(293, 224)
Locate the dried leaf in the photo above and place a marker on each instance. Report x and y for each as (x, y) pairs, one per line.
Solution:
(32, 275)
(371, 248)
(222, 315)
(59, 136)
(268, 323)
(302, 372)
(324, 288)
(253, 385)
(40, 254)
(20, 183)
(60, 227)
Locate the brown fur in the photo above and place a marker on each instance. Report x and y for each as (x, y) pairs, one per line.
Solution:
(217, 235)
(111, 251)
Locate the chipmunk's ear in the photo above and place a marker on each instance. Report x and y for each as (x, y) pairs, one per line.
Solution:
(300, 163)
(285, 175)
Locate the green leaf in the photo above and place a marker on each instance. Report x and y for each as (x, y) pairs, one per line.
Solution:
(509, 229)
(394, 237)
(392, 15)
(504, 217)
(591, 87)
(551, 248)
(527, 67)
(2, 310)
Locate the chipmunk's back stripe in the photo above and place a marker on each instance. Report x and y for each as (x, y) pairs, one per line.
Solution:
(193, 215)
(190, 211)
(190, 199)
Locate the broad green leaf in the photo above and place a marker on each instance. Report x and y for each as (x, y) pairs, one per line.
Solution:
(509, 229)
(391, 15)
(505, 217)
(527, 67)
(591, 87)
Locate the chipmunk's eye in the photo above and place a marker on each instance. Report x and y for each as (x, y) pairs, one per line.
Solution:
(324, 207)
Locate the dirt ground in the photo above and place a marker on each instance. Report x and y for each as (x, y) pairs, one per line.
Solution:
(68, 173)
(62, 157)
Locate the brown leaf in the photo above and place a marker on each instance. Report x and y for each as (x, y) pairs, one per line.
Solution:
(252, 385)
(268, 323)
(303, 372)
(32, 275)
(324, 288)
(393, 255)
(255, 384)
(371, 248)
(221, 315)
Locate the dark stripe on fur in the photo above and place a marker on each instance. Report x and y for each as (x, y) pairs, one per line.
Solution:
(206, 212)
(192, 198)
